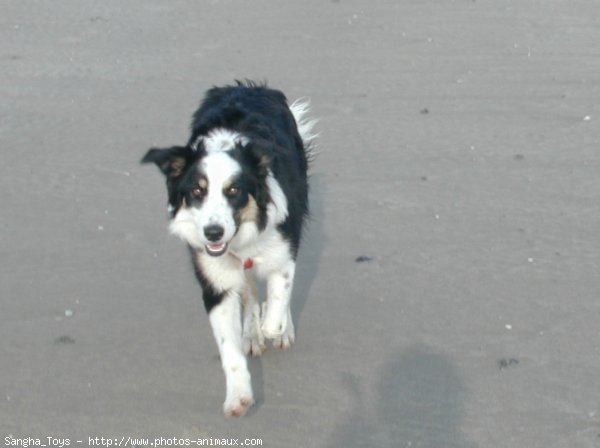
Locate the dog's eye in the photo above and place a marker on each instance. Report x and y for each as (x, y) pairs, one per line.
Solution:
(232, 190)
(198, 191)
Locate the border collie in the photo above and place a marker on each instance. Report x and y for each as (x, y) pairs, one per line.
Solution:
(238, 196)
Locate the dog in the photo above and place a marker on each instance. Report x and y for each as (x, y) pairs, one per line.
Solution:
(238, 196)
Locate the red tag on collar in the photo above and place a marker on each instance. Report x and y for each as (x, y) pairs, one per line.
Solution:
(248, 264)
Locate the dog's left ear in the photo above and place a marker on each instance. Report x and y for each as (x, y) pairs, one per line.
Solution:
(171, 161)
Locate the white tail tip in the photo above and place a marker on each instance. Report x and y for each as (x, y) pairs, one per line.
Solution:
(300, 110)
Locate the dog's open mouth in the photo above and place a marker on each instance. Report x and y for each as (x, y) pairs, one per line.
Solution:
(216, 249)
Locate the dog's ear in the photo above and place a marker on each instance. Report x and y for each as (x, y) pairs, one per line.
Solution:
(171, 161)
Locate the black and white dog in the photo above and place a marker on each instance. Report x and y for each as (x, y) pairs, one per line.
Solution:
(238, 196)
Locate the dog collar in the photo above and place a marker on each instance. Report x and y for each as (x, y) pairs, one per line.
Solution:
(248, 263)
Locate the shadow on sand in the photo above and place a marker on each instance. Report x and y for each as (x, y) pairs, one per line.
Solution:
(310, 250)
(418, 403)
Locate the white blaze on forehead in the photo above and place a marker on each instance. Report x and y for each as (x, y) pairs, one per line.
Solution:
(219, 140)
(218, 168)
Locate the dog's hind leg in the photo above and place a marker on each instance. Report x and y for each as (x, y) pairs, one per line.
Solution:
(253, 341)
(226, 323)
(277, 317)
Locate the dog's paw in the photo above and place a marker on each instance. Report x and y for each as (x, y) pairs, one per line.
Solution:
(288, 337)
(238, 405)
(239, 397)
(283, 342)
(282, 334)
(253, 341)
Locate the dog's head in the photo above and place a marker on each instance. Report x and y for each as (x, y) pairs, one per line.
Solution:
(218, 185)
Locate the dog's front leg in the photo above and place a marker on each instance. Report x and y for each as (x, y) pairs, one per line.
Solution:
(277, 317)
(225, 319)
(253, 340)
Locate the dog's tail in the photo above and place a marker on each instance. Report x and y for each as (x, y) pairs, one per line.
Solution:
(300, 110)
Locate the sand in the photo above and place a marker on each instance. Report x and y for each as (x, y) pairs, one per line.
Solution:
(458, 155)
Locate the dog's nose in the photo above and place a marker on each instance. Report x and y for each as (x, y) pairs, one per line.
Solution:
(214, 232)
